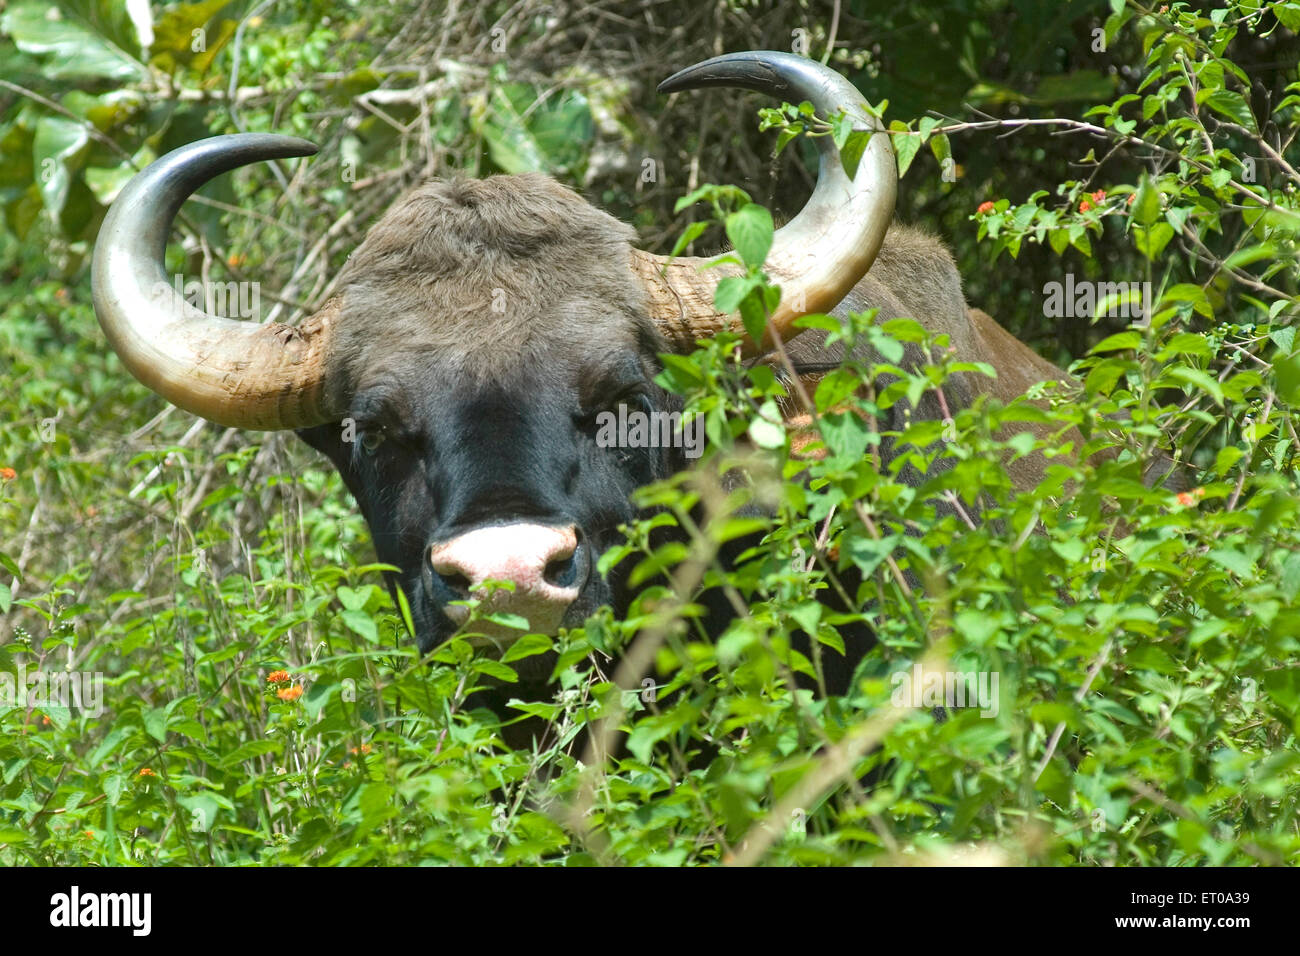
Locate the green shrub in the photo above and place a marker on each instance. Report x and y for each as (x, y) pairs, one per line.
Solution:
(1137, 644)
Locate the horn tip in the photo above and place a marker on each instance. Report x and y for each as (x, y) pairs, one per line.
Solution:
(749, 69)
(712, 71)
(673, 84)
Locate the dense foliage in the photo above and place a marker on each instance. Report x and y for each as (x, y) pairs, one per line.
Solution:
(261, 702)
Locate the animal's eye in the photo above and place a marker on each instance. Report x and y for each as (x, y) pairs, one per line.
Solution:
(372, 438)
(635, 399)
(599, 414)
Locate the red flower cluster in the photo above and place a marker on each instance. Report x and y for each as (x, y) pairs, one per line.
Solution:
(1092, 201)
(984, 207)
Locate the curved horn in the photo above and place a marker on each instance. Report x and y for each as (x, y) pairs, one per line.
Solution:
(819, 255)
(239, 374)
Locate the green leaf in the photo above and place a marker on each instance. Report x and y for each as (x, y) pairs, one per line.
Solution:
(1202, 380)
(692, 232)
(835, 388)
(354, 599)
(1227, 457)
(685, 373)
(404, 608)
(1059, 240)
(868, 553)
(1146, 207)
(732, 290)
(905, 330)
(155, 723)
(756, 307)
(1152, 241)
(359, 622)
(55, 148)
(1233, 105)
(750, 231)
(112, 786)
(764, 428)
(527, 646)
(203, 808)
(525, 135)
(249, 750)
(977, 627)
(906, 145)
(75, 51)
(110, 742)
(1287, 371)
(516, 622)
(852, 150)
(1288, 14)
(1236, 562)
(941, 148)
(1188, 292)
(376, 802)
(173, 34)
(496, 669)
(1185, 343)
(1120, 340)
(1244, 257)
(10, 565)
(1104, 376)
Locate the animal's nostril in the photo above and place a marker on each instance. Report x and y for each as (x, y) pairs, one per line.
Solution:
(456, 582)
(561, 572)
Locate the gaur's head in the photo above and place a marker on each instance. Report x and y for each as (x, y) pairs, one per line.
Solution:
(482, 377)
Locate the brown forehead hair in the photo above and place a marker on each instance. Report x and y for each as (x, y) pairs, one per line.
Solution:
(488, 276)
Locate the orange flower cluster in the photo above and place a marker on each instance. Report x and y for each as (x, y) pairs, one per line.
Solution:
(7, 474)
(277, 677)
(984, 207)
(146, 772)
(359, 751)
(1092, 201)
(289, 693)
(1188, 498)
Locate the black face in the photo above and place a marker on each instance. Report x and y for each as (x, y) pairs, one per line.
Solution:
(431, 460)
